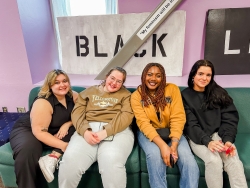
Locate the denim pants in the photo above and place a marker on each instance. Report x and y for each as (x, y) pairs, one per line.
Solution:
(110, 155)
(157, 168)
(214, 163)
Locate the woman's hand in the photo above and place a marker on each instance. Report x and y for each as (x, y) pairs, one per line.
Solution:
(63, 131)
(229, 149)
(91, 137)
(102, 134)
(174, 153)
(165, 154)
(216, 145)
(174, 146)
(164, 149)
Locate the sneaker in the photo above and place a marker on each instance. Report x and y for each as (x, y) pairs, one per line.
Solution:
(48, 165)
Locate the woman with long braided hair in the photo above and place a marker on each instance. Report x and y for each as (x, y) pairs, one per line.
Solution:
(157, 105)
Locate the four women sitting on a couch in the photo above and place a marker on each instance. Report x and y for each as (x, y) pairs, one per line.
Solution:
(102, 116)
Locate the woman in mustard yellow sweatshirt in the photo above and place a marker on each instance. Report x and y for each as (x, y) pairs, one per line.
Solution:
(156, 105)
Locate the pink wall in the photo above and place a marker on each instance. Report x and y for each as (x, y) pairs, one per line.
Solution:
(39, 38)
(27, 49)
(15, 78)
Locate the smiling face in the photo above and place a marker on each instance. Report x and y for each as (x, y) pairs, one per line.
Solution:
(61, 86)
(114, 81)
(153, 79)
(202, 78)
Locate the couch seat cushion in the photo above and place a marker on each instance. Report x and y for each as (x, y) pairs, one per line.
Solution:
(6, 155)
(242, 143)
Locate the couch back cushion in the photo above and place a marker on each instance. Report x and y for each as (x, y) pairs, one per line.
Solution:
(34, 92)
(241, 98)
(131, 89)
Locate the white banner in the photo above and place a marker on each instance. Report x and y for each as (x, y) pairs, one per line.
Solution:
(90, 42)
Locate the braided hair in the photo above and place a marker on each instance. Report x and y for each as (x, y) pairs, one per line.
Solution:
(158, 100)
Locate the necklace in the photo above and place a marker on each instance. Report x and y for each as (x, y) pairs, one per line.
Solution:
(152, 94)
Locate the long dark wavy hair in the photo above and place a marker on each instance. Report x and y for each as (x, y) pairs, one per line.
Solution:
(158, 100)
(215, 95)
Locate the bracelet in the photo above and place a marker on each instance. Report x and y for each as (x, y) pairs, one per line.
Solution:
(174, 140)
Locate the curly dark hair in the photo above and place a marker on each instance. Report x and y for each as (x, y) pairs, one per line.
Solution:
(158, 100)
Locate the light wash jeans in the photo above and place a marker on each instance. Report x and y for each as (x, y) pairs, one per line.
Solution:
(157, 168)
(111, 157)
(214, 166)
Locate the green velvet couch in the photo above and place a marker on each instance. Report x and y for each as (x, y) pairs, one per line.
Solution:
(137, 174)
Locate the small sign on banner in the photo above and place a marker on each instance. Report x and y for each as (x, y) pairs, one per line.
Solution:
(155, 18)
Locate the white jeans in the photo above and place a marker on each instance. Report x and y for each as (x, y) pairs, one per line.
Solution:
(111, 157)
(214, 164)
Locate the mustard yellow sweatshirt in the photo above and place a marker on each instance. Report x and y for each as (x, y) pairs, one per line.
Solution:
(173, 115)
(94, 104)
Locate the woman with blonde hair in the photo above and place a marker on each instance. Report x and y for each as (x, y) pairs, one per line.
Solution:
(47, 125)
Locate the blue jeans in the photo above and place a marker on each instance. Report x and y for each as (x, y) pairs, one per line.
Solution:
(157, 168)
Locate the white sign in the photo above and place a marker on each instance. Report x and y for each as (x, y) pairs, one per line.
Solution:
(156, 17)
(89, 42)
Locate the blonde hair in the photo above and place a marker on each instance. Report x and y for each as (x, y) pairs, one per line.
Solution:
(49, 81)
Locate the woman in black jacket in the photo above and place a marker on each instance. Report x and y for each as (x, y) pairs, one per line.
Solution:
(211, 126)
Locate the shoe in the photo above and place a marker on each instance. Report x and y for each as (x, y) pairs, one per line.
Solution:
(48, 165)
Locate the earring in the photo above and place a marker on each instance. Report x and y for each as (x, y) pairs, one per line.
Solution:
(193, 80)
